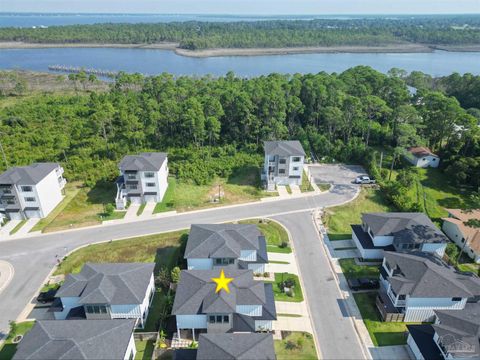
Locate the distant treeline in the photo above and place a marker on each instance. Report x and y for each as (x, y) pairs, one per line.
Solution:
(432, 30)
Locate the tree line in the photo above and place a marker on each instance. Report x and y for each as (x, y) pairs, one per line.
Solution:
(376, 31)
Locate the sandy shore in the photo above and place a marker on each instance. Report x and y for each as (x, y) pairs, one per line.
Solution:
(394, 48)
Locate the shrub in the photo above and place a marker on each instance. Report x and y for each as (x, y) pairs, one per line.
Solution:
(291, 345)
(452, 252)
(284, 244)
(109, 209)
(175, 274)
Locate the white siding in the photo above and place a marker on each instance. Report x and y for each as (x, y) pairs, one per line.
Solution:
(131, 349)
(421, 309)
(257, 268)
(382, 240)
(191, 321)
(299, 165)
(263, 325)
(200, 264)
(248, 255)
(250, 310)
(438, 249)
(48, 193)
(68, 304)
(423, 162)
(367, 253)
(125, 311)
(415, 350)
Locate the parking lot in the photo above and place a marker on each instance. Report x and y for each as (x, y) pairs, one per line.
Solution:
(336, 174)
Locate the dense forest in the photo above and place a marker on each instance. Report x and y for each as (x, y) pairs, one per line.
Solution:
(211, 126)
(428, 30)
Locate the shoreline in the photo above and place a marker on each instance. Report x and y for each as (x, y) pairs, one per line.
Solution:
(218, 52)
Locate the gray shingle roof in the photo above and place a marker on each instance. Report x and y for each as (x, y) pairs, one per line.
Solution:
(284, 148)
(196, 293)
(404, 227)
(460, 327)
(420, 274)
(27, 175)
(152, 161)
(111, 283)
(225, 241)
(236, 347)
(76, 339)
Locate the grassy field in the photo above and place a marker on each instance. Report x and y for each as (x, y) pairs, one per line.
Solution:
(296, 345)
(352, 270)
(281, 296)
(382, 333)
(86, 208)
(324, 187)
(144, 349)
(163, 249)
(18, 226)
(306, 185)
(8, 349)
(140, 209)
(339, 218)
(274, 234)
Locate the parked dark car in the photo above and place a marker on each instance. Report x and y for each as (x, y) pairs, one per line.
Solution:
(363, 284)
(47, 296)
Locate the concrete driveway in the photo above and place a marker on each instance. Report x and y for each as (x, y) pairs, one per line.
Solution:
(336, 174)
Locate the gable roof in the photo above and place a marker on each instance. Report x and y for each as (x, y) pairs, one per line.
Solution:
(284, 148)
(420, 274)
(150, 161)
(27, 175)
(196, 293)
(420, 151)
(110, 283)
(236, 347)
(459, 328)
(225, 241)
(76, 339)
(405, 227)
(471, 234)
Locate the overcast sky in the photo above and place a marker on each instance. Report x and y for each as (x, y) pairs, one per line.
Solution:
(260, 7)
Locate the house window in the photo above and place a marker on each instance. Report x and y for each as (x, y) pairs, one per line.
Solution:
(295, 168)
(218, 319)
(226, 319)
(456, 299)
(149, 175)
(296, 159)
(463, 240)
(402, 297)
(96, 309)
(224, 261)
(7, 191)
(131, 176)
(282, 161)
(149, 184)
(132, 187)
(26, 188)
(281, 171)
(10, 202)
(29, 199)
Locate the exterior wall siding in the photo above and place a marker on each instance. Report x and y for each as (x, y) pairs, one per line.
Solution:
(257, 268)
(250, 310)
(421, 309)
(413, 346)
(191, 321)
(131, 350)
(438, 249)
(263, 325)
(126, 311)
(49, 193)
(68, 304)
(248, 255)
(382, 240)
(200, 264)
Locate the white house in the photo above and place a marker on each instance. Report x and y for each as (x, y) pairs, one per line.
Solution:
(396, 231)
(455, 334)
(466, 237)
(422, 157)
(248, 307)
(78, 339)
(283, 163)
(107, 291)
(31, 191)
(416, 284)
(143, 178)
(241, 246)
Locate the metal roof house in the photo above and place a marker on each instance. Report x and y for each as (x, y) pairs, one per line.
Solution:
(240, 246)
(283, 163)
(466, 237)
(396, 231)
(248, 307)
(107, 291)
(421, 156)
(30, 191)
(416, 284)
(78, 339)
(143, 178)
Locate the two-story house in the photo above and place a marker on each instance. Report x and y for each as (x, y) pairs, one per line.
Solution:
(143, 178)
(415, 284)
(283, 163)
(31, 191)
(248, 307)
(241, 246)
(395, 231)
(455, 335)
(78, 339)
(466, 237)
(107, 291)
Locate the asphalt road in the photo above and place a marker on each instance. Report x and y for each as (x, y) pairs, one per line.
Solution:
(334, 329)
(34, 257)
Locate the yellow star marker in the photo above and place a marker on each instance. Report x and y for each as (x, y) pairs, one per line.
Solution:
(222, 282)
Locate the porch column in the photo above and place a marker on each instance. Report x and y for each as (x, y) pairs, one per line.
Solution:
(178, 332)
(193, 334)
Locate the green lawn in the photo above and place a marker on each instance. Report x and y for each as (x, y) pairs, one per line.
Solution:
(296, 345)
(155, 312)
(281, 296)
(8, 349)
(18, 227)
(289, 189)
(144, 349)
(352, 270)
(306, 185)
(324, 187)
(339, 218)
(140, 209)
(382, 333)
(163, 249)
(274, 233)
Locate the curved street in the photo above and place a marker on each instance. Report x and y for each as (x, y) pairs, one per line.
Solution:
(34, 257)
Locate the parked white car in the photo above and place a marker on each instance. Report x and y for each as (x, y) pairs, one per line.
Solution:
(364, 180)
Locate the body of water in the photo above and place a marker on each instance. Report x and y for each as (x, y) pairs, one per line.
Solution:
(150, 61)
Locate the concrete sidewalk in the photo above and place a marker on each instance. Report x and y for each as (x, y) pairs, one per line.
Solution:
(5, 230)
(282, 191)
(132, 212)
(25, 229)
(295, 190)
(148, 210)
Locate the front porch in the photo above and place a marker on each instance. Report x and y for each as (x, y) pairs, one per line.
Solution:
(389, 312)
(183, 338)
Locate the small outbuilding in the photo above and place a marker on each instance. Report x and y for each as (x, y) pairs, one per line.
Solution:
(421, 156)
